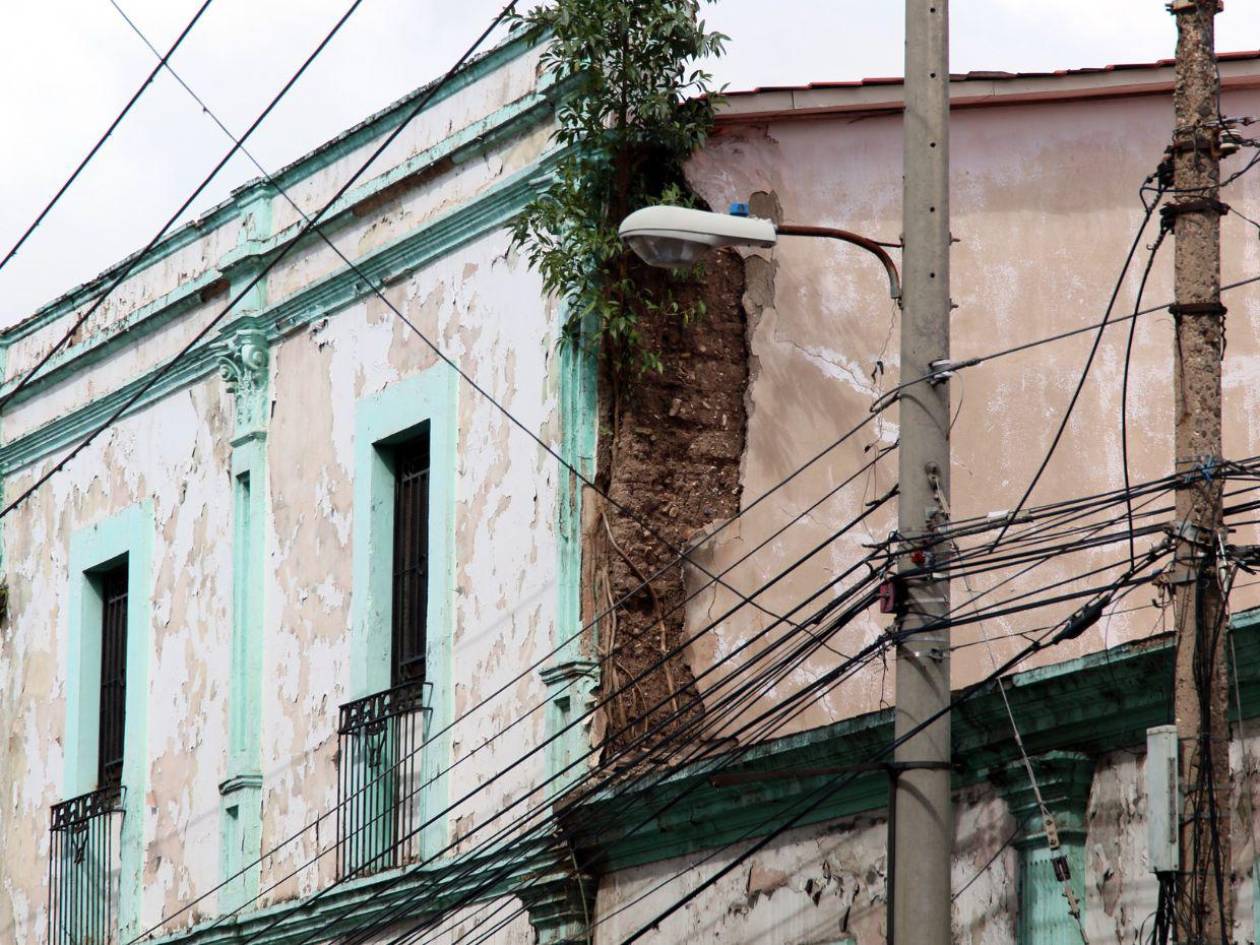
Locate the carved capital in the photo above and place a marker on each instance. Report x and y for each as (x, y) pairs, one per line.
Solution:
(1064, 778)
(244, 364)
(244, 367)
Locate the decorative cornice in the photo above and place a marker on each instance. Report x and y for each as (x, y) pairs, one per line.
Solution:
(512, 120)
(1086, 706)
(395, 896)
(441, 236)
(569, 671)
(362, 134)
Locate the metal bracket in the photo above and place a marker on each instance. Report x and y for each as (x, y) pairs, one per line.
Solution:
(1179, 575)
(1184, 530)
(1214, 309)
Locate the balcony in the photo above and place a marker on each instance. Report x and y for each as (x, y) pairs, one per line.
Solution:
(379, 780)
(83, 869)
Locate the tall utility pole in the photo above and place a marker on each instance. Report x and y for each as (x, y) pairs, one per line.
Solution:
(923, 816)
(1201, 701)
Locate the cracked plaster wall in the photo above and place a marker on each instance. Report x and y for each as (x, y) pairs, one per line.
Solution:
(826, 884)
(483, 306)
(1044, 205)
(819, 885)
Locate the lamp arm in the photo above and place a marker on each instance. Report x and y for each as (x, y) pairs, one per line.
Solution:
(873, 247)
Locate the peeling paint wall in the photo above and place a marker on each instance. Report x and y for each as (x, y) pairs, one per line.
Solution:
(826, 884)
(478, 301)
(1044, 206)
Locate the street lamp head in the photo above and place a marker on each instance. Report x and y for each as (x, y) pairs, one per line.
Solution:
(675, 237)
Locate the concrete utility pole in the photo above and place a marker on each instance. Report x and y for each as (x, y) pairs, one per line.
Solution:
(923, 816)
(1201, 700)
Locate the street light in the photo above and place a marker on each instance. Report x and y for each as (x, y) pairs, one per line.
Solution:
(676, 237)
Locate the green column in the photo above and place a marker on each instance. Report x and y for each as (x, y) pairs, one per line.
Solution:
(1064, 779)
(244, 366)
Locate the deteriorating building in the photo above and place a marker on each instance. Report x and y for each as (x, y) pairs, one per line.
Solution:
(292, 649)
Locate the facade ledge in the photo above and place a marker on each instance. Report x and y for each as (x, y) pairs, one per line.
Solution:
(1086, 706)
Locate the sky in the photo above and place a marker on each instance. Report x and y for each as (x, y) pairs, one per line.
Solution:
(68, 66)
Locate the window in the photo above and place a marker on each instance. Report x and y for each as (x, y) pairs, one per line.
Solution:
(411, 560)
(400, 623)
(113, 591)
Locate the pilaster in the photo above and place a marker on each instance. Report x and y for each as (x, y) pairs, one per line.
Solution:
(1064, 778)
(560, 908)
(244, 365)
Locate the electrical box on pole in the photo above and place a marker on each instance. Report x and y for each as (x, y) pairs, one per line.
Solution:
(1163, 799)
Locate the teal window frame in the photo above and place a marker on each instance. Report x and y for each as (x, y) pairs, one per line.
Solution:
(240, 806)
(127, 534)
(381, 420)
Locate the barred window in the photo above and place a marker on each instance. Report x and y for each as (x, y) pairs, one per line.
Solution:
(113, 589)
(411, 559)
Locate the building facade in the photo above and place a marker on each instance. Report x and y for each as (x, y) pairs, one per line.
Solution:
(292, 650)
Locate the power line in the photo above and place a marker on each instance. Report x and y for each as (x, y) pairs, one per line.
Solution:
(126, 268)
(1089, 361)
(967, 694)
(100, 142)
(1038, 603)
(548, 803)
(1124, 382)
(402, 909)
(835, 784)
(869, 508)
(729, 704)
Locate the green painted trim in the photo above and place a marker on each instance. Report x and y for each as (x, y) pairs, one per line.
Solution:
(358, 902)
(429, 397)
(579, 423)
(362, 134)
(1091, 705)
(1043, 909)
(240, 809)
(258, 242)
(571, 676)
(437, 239)
(134, 327)
(249, 481)
(129, 533)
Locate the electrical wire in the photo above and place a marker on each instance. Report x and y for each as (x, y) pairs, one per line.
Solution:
(397, 916)
(638, 678)
(546, 805)
(100, 142)
(128, 266)
(1124, 382)
(827, 790)
(1089, 361)
(868, 509)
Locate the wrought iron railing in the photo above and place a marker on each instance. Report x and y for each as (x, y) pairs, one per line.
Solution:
(378, 782)
(83, 869)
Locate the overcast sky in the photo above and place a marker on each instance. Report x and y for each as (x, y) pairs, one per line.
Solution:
(68, 66)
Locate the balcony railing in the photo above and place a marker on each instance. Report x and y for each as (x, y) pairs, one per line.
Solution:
(378, 783)
(83, 869)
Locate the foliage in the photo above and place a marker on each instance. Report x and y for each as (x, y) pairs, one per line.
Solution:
(633, 108)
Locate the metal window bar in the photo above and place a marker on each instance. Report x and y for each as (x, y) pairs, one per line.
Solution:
(379, 778)
(113, 585)
(411, 560)
(83, 869)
